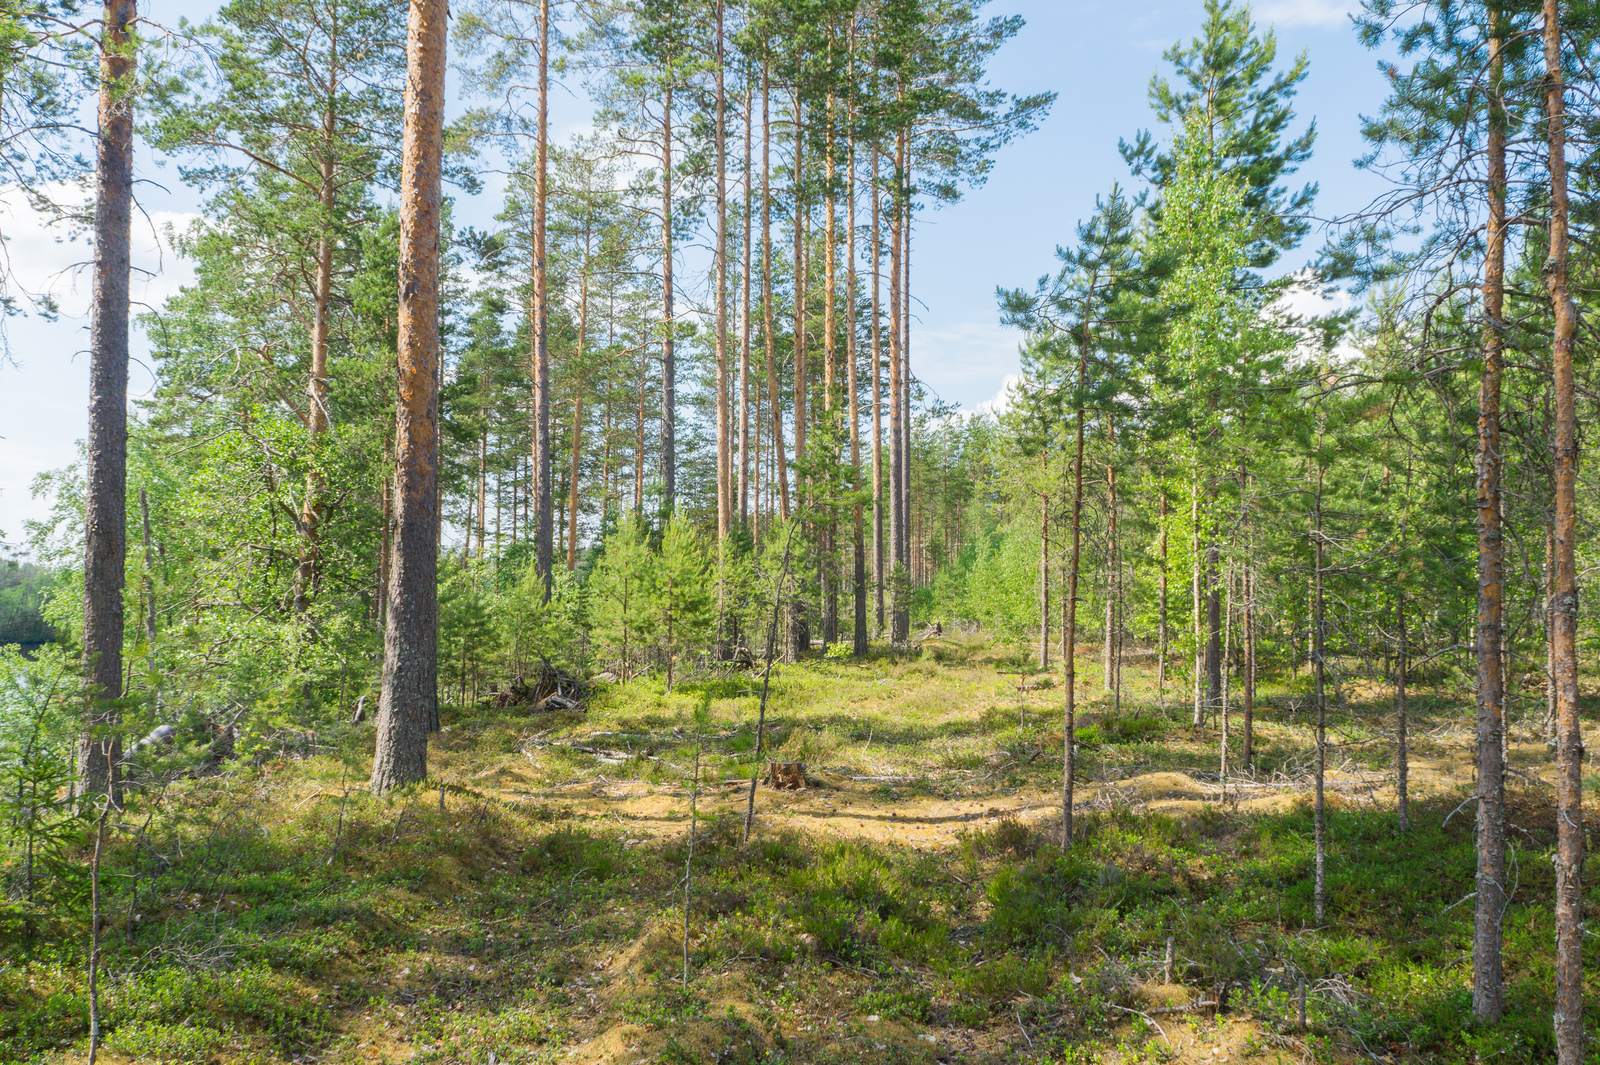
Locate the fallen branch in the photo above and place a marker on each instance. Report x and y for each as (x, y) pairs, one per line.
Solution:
(1147, 1017)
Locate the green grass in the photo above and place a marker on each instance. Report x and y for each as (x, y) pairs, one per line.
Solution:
(279, 912)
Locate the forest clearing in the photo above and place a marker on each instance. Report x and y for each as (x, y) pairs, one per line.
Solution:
(910, 904)
(595, 535)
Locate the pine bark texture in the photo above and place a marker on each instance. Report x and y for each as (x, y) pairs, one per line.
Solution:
(544, 486)
(768, 313)
(408, 704)
(1488, 999)
(725, 501)
(669, 366)
(1564, 610)
(99, 747)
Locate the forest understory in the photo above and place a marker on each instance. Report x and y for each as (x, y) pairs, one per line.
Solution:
(912, 903)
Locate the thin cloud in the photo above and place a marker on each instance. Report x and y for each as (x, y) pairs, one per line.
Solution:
(49, 260)
(1321, 14)
(965, 363)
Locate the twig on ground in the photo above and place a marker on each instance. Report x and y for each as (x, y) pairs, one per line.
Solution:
(1147, 1017)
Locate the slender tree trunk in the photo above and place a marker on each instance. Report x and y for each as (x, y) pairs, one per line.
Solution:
(744, 314)
(902, 618)
(1161, 602)
(878, 557)
(1320, 696)
(1488, 1001)
(638, 430)
(1227, 649)
(544, 488)
(1113, 664)
(1550, 625)
(899, 563)
(1044, 563)
(669, 367)
(149, 583)
(858, 527)
(386, 551)
(577, 417)
(99, 746)
(1069, 637)
(725, 502)
(1105, 649)
(801, 369)
(827, 558)
(305, 577)
(1402, 753)
(1194, 580)
(1247, 754)
(483, 489)
(1569, 737)
(408, 704)
(779, 464)
(1213, 617)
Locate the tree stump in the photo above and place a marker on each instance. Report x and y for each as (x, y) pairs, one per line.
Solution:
(787, 776)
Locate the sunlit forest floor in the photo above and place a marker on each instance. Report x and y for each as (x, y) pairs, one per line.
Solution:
(911, 905)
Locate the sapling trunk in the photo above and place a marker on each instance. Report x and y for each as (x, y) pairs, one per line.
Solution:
(94, 934)
(766, 682)
(688, 862)
(1070, 623)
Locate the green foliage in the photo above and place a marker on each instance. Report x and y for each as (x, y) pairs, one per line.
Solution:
(622, 595)
(41, 825)
(683, 594)
(24, 587)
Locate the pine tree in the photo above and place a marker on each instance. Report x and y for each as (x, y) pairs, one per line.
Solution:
(99, 750)
(622, 592)
(408, 707)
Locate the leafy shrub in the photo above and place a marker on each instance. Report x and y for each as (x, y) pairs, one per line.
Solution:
(898, 1003)
(1001, 979)
(1033, 902)
(572, 852)
(1010, 835)
(150, 1041)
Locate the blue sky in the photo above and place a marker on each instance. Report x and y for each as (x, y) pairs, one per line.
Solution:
(1098, 55)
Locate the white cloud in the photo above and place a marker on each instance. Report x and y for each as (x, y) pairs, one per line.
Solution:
(1001, 401)
(1322, 14)
(43, 391)
(44, 259)
(967, 362)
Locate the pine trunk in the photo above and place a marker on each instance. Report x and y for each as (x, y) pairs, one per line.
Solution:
(768, 318)
(1247, 754)
(1402, 754)
(801, 370)
(827, 558)
(669, 367)
(1069, 628)
(1044, 564)
(305, 577)
(408, 704)
(724, 414)
(1320, 697)
(99, 746)
(544, 488)
(1488, 999)
(858, 526)
(879, 559)
(897, 457)
(744, 315)
(1161, 604)
(1564, 610)
(576, 468)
